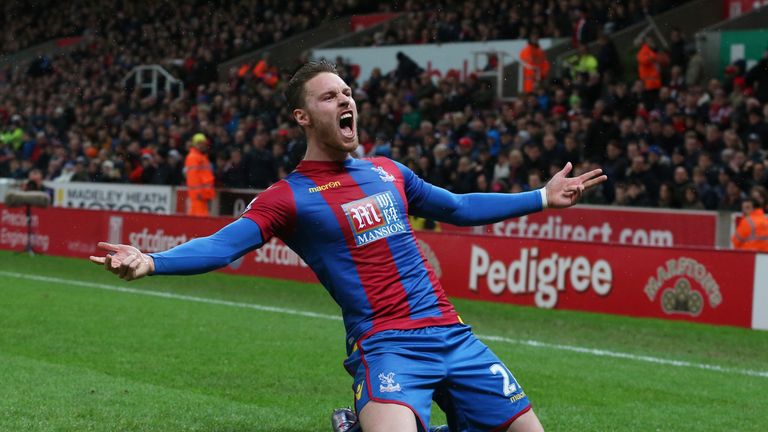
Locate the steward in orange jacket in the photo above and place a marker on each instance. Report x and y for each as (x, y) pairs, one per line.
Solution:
(266, 73)
(200, 177)
(648, 69)
(534, 63)
(752, 232)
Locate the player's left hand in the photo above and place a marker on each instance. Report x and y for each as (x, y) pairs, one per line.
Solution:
(127, 262)
(564, 191)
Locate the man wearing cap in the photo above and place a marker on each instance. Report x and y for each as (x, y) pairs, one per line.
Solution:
(81, 173)
(197, 168)
(755, 152)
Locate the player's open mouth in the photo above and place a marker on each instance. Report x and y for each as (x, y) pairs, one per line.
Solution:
(347, 124)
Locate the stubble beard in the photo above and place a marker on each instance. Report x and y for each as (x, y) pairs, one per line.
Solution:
(328, 136)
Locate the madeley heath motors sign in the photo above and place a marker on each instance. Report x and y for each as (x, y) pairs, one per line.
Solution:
(108, 196)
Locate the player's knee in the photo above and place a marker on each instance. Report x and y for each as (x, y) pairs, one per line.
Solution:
(383, 417)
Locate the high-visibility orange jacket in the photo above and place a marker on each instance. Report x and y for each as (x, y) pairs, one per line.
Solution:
(266, 73)
(535, 66)
(242, 71)
(260, 69)
(752, 232)
(648, 68)
(200, 178)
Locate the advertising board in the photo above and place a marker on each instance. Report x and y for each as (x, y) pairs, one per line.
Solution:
(609, 225)
(692, 284)
(113, 196)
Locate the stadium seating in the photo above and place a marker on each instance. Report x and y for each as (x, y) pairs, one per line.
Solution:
(159, 29)
(463, 21)
(696, 145)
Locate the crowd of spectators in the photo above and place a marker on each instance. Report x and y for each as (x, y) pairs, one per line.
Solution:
(25, 24)
(152, 30)
(691, 144)
(462, 21)
(73, 112)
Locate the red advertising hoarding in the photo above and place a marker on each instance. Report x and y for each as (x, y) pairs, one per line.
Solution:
(157, 233)
(75, 233)
(55, 231)
(599, 224)
(707, 286)
(735, 8)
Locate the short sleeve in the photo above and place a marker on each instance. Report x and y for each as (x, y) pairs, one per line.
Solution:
(273, 210)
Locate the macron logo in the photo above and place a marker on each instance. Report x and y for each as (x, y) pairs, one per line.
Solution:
(325, 187)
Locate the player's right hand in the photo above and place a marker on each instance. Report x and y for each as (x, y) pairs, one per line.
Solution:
(125, 261)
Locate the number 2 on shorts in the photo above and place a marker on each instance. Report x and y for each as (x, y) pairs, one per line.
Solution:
(508, 388)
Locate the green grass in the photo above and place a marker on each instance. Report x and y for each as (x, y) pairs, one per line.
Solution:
(79, 358)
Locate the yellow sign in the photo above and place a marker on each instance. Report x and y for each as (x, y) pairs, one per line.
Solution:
(329, 185)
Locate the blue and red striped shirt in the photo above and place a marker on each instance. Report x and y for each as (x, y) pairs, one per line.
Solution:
(349, 222)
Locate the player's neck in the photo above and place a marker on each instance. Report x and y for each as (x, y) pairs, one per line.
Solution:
(324, 153)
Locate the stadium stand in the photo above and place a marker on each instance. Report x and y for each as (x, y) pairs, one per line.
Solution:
(463, 21)
(684, 144)
(167, 29)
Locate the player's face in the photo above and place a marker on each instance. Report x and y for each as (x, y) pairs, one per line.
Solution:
(329, 115)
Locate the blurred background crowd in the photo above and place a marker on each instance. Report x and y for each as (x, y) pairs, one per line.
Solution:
(665, 137)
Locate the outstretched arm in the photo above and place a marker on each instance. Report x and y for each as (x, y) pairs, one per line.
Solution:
(482, 208)
(198, 255)
(475, 208)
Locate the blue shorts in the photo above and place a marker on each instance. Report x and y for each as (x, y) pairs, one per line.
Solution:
(446, 364)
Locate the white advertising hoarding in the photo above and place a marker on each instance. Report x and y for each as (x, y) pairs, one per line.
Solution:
(113, 196)
(760, 294)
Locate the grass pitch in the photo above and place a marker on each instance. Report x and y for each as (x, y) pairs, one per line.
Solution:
(216, 352)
